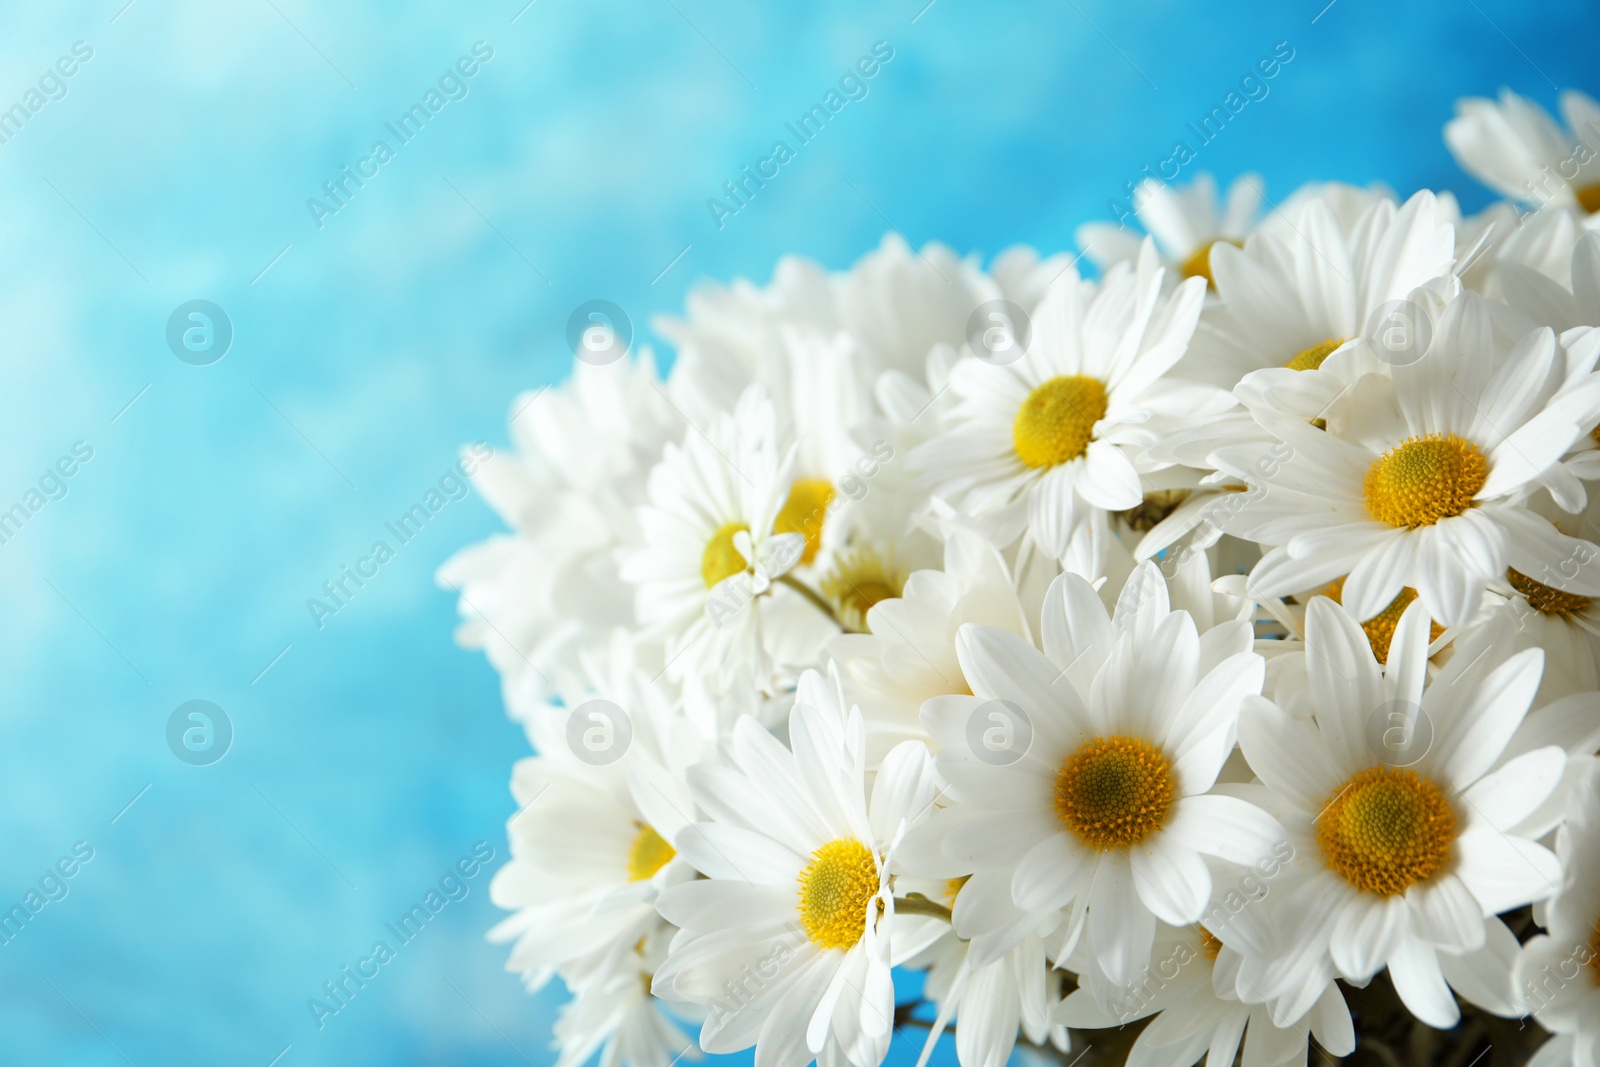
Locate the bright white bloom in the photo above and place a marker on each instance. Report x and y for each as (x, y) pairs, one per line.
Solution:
(1206, 1007)
(1106, 808)
(1405, 833)
(1417, 481)
(1051, 442)
(1558, 973)
(1516, 148)
(790, 936)
(1185, 221)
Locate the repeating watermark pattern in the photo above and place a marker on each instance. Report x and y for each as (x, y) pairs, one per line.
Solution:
(599, 332)
(741, 991)
(999, 733)
(1551, 184)
(52, 888)
(1399, 733)
(199, 733)
(1253, 88)
(999, 332)
(599, 732)
(1400, 331)
(852, 86)
(1539, 991)
(453, 485)
(53, 485)
(452, 86)
(199, 332)
(51, 86)
(454, 886)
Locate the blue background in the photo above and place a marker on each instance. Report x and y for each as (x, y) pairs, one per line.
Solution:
(374, 753)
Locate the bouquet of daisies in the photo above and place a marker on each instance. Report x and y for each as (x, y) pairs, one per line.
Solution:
(1201, 659)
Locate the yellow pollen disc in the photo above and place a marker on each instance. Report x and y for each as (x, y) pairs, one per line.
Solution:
(952, 888)
(721, 560)
(1589, 197)
(1210, 945)
(835, 888)
(1056, 421)
(1386, 829)
(1595, 433)
(1312, 358)
(1546, 600)
(1380, 628)
(804, 511)
(1198, 265)
(648, 854)
(1114, 791)
(861, 577)
(1424, 479)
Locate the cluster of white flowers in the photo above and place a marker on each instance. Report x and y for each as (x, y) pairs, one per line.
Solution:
(1195, 642)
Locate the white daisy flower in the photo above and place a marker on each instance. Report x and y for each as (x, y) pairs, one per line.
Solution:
(1051, 443)
(992, 1003)
(598, 807)
(1562, 298)
(790, 936)
(709, 551)
(909, 655)
(1517, 149)
(616, 1016)
(1558, 972)
(1185, 221)
(1106, 808)
(1418, 481)
(1404, 866)
(537, 598)
(1192, 985)
(1293, 296)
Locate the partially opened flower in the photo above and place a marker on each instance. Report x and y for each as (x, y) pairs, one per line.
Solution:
(1516, 148)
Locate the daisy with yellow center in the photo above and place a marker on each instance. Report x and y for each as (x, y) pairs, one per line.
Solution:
(797, 869)
(1420, 479)
(1388, 851)
(1109, 810)
(1053, 440)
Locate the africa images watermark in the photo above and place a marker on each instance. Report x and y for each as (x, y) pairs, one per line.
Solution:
(52, 486)
(453, 887)
(53, 887)
(452, 86)
(1253, 88)
(852, 86)
(52, 85)
(453, 485)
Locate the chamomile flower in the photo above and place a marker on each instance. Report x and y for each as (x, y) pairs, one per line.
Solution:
(1406, 851)
(615, 1015)
(1417, 481)
(1193, 985)
(1185, 221)
(1558, 972)
(790, 936)
(1106, 806)
(991, 1003)
(1050, 444)
(1516, 148)
(709, 549)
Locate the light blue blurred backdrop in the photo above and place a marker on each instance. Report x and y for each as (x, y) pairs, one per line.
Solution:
(373, 753)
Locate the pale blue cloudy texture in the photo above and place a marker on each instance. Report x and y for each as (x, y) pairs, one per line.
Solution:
(374, 753)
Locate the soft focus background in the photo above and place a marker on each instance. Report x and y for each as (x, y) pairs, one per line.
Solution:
(371, 754)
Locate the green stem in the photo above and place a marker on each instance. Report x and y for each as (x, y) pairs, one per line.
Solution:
(809, 593)
(917, 904)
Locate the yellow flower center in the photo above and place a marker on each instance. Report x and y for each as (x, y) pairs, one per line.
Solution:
(1210, 944)
(1114, 791)
(648, 854)
(1589, 197)
(861, 578)
(953, 887)
(1380, 628)
(1311, 358)
(1386, 829)
(1546, 600)
(722, 560)
(1056, 421)
(1198, 265)
(1424, 479)
(835, 888)
(804, 511)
